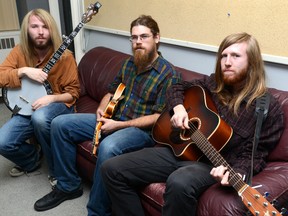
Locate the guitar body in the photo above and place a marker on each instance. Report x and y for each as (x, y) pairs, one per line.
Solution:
(202, 114)
(24, 96)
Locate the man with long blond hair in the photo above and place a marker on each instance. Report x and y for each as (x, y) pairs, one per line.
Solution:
(238, 80)
(39, 39)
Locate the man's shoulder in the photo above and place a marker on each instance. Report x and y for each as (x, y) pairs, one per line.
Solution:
(164, 63)
(163, 60)
(15, 53)
(17, 49)
(67, 55)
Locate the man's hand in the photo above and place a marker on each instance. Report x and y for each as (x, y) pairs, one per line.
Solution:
(33, 73)
(221, 175)
(99, 113)
(43, 101)
(180, 118)
(109, 125)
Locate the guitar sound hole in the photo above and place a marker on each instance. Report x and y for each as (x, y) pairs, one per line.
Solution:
(179, 136)
(186, 134)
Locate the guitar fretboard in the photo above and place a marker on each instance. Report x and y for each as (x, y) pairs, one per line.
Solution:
(215, 157)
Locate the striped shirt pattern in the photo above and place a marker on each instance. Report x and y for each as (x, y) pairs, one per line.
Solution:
(145, 92)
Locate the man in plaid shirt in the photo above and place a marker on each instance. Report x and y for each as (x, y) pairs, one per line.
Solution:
(147, 76)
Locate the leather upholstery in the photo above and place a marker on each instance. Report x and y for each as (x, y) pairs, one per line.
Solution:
(99, 66)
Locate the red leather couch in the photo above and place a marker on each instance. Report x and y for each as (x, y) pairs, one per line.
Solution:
(99, 66)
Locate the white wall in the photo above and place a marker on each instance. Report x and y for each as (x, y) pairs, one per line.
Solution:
(189, 58)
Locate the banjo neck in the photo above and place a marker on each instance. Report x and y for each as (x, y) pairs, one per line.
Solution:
(68, 40)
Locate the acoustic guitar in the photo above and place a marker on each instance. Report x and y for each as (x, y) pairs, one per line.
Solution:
(20, 100)
(208, 134)
(108, 113)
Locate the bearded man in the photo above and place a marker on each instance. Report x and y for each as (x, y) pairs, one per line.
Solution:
(39, 39)
(147, 76)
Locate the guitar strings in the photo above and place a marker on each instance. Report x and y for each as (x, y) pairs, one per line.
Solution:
(214, 156)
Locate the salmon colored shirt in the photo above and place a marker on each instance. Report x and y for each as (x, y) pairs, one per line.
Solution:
(63, 77)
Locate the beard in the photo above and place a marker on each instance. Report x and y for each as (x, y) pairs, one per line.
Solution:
(236, 78)
(42, 44)
(142, 57)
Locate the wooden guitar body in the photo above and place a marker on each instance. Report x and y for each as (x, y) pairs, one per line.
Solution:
(202, 114)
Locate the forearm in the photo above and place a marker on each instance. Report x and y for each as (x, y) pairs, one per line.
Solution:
(104, 102)
(65, 98)
(144, 122)
(9, 77)
(22, 71)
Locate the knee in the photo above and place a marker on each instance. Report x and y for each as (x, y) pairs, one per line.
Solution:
(108, 170)
(59, 123)
(7, 149)
(4, 146)
(39, 119)
(107, 150)
(175, 184)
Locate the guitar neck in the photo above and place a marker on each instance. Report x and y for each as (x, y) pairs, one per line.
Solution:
(216, 158)
(56, 56)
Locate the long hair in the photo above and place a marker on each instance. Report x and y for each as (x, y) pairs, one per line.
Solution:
(149, 22)
(25, 43)
(256, 79)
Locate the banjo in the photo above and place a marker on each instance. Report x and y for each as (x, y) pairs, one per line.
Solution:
(19, 100)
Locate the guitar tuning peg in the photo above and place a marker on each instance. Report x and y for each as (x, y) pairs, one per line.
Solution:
(274, 202)
(283, 211)
(266, 194)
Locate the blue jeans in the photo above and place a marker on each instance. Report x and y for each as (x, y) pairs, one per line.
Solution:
(17, 130)
(69, 130)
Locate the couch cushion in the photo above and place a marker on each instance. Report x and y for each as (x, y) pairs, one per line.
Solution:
(86, 104)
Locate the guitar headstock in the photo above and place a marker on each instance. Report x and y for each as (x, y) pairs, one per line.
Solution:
(91, 11)
(257, 204)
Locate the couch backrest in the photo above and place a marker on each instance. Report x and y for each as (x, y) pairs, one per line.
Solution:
(97, 69)
(280, 153)
(99, 66)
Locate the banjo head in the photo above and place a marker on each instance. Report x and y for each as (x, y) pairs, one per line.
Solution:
(23, 97)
